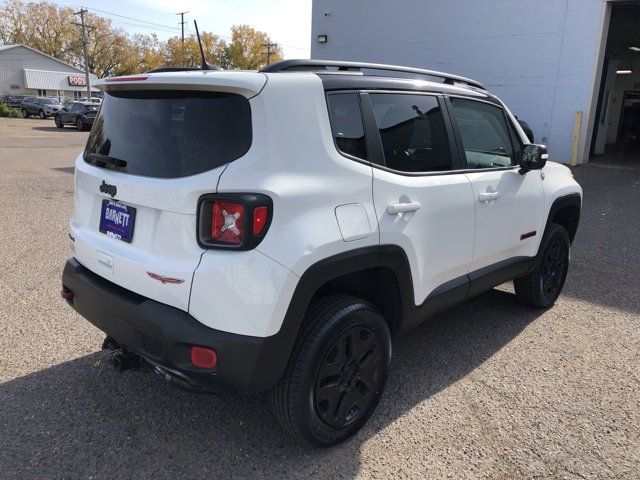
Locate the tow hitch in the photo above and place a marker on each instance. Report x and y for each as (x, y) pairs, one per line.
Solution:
(121, 359)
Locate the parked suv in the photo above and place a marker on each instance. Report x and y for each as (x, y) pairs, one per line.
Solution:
(80, 114)
(12, 101)
(41, 106)
(273, 230)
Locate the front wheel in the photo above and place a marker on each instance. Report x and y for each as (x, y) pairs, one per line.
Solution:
(541, 287)
(79, 124)
(57, 121)
(42, 115)
(337, 372)
(25, 114)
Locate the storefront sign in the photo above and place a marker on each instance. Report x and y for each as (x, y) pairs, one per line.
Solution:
(77, 81)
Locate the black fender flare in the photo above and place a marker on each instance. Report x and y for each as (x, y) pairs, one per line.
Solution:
(279, 346)
(569, 200)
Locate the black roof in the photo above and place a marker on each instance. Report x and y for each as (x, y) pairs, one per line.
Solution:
(358, 82)
(325, 66)
(338, 75)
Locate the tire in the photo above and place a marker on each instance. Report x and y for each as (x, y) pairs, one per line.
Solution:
(79, 124)
(42, 115)
(58, 121)
(25, 114)
(337, 371)
(541, 287)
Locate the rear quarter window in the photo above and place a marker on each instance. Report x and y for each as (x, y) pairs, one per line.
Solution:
(346, 124)
(170, 134)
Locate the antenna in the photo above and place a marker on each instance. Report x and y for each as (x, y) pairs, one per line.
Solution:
(205, 65)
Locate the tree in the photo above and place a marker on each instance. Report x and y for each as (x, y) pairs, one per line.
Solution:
(42, 26)
(189, 54)
(146, 53)
(111, 51)
(246, 50)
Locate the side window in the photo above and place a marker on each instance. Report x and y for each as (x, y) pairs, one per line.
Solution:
(413, 133)
(346, 123)
(484, 134)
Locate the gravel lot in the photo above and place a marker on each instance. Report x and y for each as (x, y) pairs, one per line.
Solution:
(488, 389)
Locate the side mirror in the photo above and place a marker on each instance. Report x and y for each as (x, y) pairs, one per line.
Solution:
(533, 157)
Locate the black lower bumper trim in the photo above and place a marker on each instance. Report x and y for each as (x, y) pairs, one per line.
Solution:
(163, 335)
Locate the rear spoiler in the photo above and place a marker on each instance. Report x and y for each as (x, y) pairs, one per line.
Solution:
(248, 84)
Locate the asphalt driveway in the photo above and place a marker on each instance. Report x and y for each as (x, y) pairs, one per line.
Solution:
(488, 389)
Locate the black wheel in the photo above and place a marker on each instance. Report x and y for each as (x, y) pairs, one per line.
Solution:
(58, 122)
(337, 371)
(541, 287)
(25, 114)
(42, 115)
(79, 124)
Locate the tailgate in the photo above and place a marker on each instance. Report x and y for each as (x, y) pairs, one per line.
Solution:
(163, 253)
(150, 156)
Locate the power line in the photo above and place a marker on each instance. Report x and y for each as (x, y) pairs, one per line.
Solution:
(156, 26)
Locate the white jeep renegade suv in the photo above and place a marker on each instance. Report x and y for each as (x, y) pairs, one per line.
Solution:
(247, 231)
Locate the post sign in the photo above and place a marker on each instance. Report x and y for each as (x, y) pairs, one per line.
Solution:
(77, 81)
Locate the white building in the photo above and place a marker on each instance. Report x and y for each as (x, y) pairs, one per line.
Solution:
(544, 58)
(24, 70)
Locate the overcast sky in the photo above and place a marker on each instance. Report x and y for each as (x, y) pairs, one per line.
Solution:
(288, 22)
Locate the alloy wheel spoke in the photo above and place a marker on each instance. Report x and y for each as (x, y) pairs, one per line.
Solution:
(347, 380)
(347, 406)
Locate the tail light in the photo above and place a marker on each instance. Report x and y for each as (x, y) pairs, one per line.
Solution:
(236, 221)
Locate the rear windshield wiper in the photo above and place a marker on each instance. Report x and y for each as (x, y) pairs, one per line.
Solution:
(99, 158)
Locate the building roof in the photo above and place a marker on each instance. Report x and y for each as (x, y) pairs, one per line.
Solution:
(16, 45)
(47, 80)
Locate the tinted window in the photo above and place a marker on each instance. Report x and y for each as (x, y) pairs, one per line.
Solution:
(171, 134)
(346, 123)
(484, 134)
(48, 101)
(413, 134)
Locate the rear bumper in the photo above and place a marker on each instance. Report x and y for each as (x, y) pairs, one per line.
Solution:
(163, 335)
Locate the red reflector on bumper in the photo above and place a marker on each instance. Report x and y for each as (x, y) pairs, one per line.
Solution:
(66, 293)
(203, 357)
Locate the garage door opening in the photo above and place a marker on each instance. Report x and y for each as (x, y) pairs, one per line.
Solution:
(616, 132)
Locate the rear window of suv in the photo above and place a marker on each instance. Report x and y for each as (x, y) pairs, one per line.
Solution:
(169, 134)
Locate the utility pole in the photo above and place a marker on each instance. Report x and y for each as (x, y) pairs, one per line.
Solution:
(269, 47)
(182, 22)
(84, 49)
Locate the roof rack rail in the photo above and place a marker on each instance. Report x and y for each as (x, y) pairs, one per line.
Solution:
(315, 65)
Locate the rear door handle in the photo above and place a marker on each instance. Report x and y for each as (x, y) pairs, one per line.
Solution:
(397, 208)
(488, 196)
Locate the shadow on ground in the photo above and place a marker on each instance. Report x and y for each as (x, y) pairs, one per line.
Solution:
(69, 170)
(134, 424)
(53, 128)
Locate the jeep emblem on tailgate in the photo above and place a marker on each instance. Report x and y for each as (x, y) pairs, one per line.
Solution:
(108, 189)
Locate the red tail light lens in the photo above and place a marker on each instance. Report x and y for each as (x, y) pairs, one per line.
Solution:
(237, 221)
(203, 357)
(227, 221)
(260, 216)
